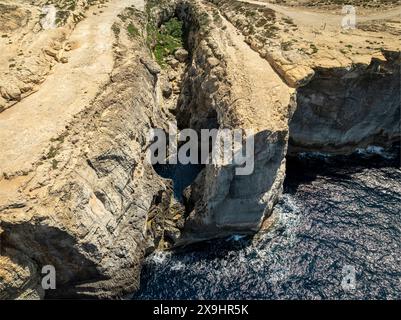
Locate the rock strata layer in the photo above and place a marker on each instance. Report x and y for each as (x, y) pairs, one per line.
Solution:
(83, 208)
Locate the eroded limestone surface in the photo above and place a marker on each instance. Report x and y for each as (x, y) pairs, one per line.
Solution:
(83, 206)
(347, 89)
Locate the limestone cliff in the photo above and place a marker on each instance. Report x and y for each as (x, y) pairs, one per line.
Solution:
(347, 79)
(83, 208)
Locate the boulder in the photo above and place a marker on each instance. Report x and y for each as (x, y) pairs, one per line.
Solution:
(151, 65)
(173, 63)
(181, 55)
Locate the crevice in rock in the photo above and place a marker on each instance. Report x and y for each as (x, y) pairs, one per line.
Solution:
(217, 93)
(168, 37)
(169, 40)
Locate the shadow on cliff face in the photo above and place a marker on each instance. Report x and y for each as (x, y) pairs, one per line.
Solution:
(24, 274)
(181, 175)
(307, 167)
(341, 110)
(46, 245)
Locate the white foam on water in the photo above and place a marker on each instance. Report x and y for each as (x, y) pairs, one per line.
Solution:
(375, 150)
(266, 256)
(318, 155)
(236, 237)
(159, 257)
(178, 266)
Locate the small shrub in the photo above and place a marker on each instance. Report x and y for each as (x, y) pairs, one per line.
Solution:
(167, 39)
(116, 29)
(132, 30)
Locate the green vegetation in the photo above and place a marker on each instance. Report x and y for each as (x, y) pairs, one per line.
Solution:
(249, 14)
(70, 5)
(204, 23)
(164, 41)
(61, 17)
(337, 3)
(63, 4)
(270, 31)
(251, 29)
(60, 138)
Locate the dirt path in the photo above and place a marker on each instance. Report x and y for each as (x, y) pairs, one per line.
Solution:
(314, 19)
(27, 127)
(262, 96)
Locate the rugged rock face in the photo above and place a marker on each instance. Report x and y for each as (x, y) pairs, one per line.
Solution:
(347, 80)
(84, 207)
(227, 85)
(342, 110)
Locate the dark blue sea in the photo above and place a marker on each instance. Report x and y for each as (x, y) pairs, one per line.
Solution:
(337, 236)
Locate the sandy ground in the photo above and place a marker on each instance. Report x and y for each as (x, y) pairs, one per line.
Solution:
(308, 17)
(256, 83)
(27, 127)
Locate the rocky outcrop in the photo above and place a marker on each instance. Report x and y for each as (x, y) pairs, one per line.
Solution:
(84, 207)
(337, 105)
(347, 80)
(19, 277)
